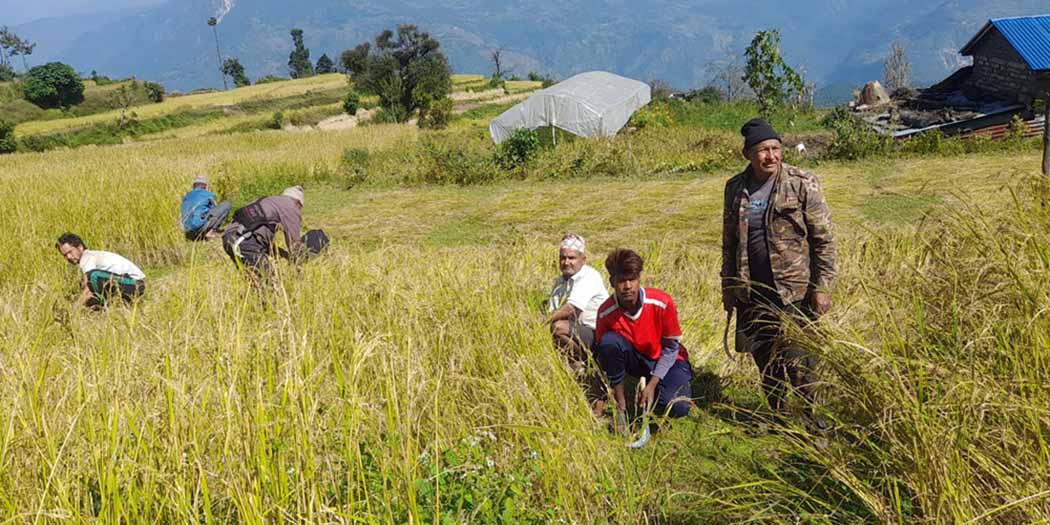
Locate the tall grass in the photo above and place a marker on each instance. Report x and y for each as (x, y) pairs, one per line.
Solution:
(405, 378)
(944, 368)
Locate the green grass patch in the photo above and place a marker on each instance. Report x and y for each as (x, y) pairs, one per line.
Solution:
(729, 116)
(898, 208)
(472, 230)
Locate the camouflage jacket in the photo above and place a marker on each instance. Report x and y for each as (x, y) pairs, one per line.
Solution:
(798, 226)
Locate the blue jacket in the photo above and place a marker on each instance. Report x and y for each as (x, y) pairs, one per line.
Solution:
(195, 207)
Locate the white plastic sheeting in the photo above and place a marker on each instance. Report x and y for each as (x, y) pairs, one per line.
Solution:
(588, 104)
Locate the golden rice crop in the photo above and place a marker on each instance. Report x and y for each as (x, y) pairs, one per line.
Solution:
(404, 377)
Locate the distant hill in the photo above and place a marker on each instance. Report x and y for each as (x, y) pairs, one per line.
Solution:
(17, 12)
(838, 43)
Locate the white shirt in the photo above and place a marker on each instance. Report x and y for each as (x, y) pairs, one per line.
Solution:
(585, 290)
(109, 262)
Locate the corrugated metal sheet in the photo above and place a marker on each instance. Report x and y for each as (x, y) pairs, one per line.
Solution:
(1030, 36)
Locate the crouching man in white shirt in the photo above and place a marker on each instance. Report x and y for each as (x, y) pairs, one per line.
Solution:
(105, 276)
(573, 308)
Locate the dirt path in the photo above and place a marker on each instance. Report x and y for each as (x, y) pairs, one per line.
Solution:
(337, 123)
(463, 108)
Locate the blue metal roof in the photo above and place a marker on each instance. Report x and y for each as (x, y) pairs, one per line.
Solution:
(1029, 36)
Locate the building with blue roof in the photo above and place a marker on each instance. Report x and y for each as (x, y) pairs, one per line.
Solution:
(1011, 59)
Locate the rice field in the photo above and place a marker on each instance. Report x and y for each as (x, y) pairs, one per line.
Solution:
(273, 90)
(405, 377)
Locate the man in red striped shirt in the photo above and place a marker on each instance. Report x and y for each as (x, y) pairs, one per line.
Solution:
(638, 334)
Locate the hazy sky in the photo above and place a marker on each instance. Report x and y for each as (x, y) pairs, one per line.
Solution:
(14, 12)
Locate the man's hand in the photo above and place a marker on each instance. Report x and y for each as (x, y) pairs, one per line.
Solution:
(820, 302)
(728, 300)
(85, 297)
(649, 392)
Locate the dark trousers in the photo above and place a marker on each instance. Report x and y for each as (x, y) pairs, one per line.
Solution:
(618, 359)
(216, 216)
(780, 361)
(577, 353)
(249, 253)
(106, 286)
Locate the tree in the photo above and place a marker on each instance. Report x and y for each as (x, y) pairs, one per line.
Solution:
(233, 69)
(355, 61)
(123, 98)
(7, 137)
(897, 68)
(8, 41)
(11, 45)
(497, 63)
(660, 89)
(727, 76)
(408, 71)
(772, 80)
(24, 49)
(53, 85)
(324, 65)
(299, 65)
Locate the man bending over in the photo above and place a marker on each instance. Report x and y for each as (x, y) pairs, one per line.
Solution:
(106, 275)
(201, 215)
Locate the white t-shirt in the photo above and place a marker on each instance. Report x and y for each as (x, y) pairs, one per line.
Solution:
(585, 290)
(109, 262)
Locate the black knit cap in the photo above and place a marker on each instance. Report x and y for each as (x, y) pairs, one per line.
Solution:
(756, 130)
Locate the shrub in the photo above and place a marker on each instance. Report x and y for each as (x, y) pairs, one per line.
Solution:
(930, 143)
(854, 139)
(436, 115)
(270, 78)
(519, 149)
(154, 91)
(1015, 131)
(706, 95)
(355, 166)
(53, 85)
(496, 83)
(7, 137)
(386, 116)
(100, 80)
(6, 73)
(546, 80)
(656, 115)
(276, 121)
(460, 162)
(351, 103)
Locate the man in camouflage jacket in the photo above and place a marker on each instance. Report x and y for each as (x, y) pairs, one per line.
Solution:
(778, 259)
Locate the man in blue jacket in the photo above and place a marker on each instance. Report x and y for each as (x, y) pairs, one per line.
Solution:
(201, 215)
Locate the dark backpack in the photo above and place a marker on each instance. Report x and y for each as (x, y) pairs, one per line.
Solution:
(251, 216)
(316, 241)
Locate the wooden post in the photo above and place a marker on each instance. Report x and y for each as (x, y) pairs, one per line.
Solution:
(1046, 133)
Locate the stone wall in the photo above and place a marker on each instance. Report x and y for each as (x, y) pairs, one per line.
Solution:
(1000, 72)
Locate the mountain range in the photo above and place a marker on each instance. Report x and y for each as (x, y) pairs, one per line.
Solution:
(835, 42)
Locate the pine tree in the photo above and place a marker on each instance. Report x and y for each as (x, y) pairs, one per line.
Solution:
(233, 69)
(324, 65)
(299, 65)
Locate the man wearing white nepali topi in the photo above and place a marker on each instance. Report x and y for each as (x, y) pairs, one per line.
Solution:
(573, 307)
